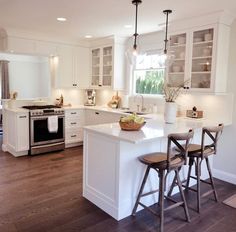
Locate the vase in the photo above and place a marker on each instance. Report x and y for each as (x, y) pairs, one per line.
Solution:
(170, 112)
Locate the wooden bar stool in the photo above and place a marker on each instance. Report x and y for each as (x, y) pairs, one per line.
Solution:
(197, 153)
(163, 163)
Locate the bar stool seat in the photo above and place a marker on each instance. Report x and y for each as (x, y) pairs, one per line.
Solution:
(163, 163)
(195, 150)
(159, 160)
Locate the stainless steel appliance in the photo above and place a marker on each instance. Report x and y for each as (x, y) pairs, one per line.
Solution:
(41, 140)
(91, 97)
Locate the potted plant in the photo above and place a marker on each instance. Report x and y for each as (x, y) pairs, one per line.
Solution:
(170, 94)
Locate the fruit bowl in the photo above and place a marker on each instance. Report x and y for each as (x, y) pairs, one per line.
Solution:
(131, 126)
(131, 122)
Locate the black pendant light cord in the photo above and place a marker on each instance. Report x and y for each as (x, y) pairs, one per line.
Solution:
(167, 12)
(136, 3)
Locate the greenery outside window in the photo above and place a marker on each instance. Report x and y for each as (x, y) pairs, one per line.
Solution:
(149, 73)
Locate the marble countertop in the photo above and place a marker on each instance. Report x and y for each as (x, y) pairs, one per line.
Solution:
(153, 129)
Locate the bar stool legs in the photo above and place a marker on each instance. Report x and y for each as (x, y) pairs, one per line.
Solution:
(141, 190)
(182, 195)
(161, 197)
(211, 179)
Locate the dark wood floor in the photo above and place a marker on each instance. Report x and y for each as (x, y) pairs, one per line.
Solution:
(44, 193)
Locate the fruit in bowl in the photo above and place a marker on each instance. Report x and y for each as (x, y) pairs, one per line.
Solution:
(132, 122)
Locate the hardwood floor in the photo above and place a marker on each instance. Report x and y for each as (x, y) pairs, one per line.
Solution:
(44, 193)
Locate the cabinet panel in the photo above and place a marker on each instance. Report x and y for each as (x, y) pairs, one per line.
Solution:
(201, 62)
(22, 132)
(65, 74)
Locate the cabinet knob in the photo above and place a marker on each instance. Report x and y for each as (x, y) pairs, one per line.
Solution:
(96, 112)
(100, 85)
(186, 87)
(74, 84)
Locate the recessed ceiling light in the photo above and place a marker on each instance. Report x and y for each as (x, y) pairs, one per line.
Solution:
(61, 19)
(88, 36)
(128, 26)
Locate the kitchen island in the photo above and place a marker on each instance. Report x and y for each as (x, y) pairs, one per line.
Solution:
(112, 174)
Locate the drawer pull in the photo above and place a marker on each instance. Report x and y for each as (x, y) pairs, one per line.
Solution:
(73, 123)
(22, 116)
(73, 113)
(73, 136)
(96, 112)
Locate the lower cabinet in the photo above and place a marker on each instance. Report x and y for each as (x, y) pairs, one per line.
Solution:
(17, 132)
(74, 122)
(76, 119)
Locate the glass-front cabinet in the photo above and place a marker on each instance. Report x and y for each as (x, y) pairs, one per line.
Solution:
(198, 58)
(202, 59)
(96, 66)
(177, 54)
(102, 66)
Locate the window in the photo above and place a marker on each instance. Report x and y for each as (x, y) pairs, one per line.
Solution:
(149, 73)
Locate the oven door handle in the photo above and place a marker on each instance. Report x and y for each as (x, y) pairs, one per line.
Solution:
(43, 117)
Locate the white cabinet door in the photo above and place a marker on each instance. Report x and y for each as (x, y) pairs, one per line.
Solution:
(17, 131)
(94, 117)
(22, 131)
(82, 67)
(65, 73)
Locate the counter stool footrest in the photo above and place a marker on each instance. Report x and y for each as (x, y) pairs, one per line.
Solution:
(180, 203)
(170, 199)
(189, 188)
(207, 193)
(149, 209)
(146, 194)
(204, 181)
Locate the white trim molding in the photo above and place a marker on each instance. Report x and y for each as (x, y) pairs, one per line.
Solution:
(225, 176)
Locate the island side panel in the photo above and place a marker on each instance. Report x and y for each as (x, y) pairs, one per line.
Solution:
(100, 171)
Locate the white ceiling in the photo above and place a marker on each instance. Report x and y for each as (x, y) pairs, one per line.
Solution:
(99, 17)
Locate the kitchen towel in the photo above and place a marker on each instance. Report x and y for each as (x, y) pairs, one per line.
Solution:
(53, 124)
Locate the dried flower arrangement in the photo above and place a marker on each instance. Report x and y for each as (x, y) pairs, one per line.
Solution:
(171, 93)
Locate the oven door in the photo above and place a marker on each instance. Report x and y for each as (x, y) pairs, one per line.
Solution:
(39, 134)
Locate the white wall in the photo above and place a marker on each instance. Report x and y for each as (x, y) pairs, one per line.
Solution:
(225, 160)
(29, 76)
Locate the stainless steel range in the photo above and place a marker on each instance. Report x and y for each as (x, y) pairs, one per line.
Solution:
(42, 137)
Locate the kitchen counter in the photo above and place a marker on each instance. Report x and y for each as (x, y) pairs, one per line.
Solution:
(112, 173)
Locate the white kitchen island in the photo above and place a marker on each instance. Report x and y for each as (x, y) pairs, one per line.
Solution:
(112, 174)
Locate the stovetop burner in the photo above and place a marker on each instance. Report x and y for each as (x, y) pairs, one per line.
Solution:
(34, 107)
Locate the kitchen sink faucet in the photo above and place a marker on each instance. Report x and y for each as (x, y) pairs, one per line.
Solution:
(142, 103)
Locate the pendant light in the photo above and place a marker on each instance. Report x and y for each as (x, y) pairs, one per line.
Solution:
(134, 51)
(135, 47)
(167, 57)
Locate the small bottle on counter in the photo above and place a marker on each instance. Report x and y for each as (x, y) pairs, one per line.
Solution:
(61, 100)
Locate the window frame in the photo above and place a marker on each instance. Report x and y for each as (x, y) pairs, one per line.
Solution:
(133, 85)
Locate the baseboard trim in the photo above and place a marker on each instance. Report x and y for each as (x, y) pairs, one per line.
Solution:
(225, 176)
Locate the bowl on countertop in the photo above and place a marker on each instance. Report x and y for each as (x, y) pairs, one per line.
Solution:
(131, 126)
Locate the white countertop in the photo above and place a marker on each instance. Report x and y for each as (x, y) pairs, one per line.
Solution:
(153, 129)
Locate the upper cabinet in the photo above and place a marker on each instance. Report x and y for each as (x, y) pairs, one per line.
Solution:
(107, 65)
(72, 68)
(198, 51)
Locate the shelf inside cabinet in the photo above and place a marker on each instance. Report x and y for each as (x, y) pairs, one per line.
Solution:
(176, 73)
(201, 57)
(177, 45)
(203, 42)
(202, 72)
